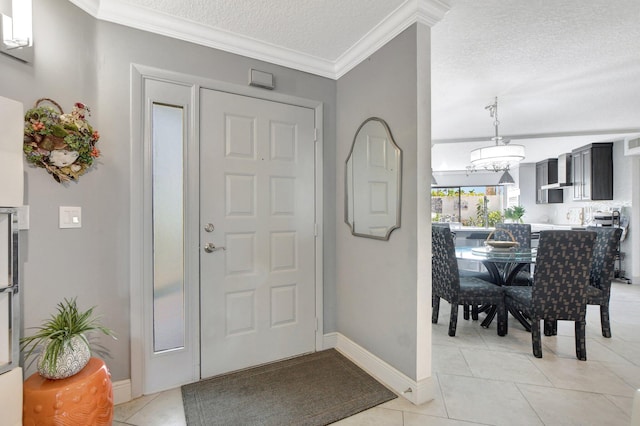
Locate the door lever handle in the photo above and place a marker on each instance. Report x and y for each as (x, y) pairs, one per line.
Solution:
(210, 248)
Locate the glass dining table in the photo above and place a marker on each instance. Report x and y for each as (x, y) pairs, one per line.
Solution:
(503, 266)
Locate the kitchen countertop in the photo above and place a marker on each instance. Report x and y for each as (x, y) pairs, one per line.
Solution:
(535, 227)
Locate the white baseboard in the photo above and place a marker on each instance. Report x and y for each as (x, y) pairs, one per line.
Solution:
(635, 410)
(121, 391)
(416, 392)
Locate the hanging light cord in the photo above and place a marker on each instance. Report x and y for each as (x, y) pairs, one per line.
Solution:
(493, 112)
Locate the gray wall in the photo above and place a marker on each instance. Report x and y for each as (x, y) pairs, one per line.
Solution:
(80, 59)
(376, 280)
(534, 213)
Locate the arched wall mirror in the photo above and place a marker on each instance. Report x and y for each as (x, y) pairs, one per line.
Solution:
(373, 181)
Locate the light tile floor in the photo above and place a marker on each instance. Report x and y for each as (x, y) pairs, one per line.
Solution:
(490, 380)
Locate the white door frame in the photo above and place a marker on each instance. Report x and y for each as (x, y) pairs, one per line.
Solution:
(139, 308)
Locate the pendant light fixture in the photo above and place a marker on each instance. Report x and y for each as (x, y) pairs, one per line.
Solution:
(502, 155)
(506, 179)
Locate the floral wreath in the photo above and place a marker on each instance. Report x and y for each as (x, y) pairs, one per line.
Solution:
(63, 144)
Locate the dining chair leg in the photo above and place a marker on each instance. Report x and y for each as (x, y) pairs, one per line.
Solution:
(581, 345)
(465, 313)
(550, 327)
(491, 313)
(536, 338)
(502, 320)
(453, 320)
(474, 312)
(435, 305)
(604, 320)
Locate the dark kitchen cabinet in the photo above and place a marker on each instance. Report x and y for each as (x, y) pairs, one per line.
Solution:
(592, 172)
(546, 173)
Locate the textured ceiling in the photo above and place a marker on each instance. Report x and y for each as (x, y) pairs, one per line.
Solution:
(563, 68)
(322, 28)
(567, 68)
(323, 37)
(555, 65)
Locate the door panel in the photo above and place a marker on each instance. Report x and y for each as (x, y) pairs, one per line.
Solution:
(257, 189)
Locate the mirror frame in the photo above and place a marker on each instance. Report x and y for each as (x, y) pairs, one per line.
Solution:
(399, 183)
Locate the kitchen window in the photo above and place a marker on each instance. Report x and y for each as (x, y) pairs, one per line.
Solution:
(468, 205)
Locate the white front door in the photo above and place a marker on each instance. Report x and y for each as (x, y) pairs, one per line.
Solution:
(257, 243)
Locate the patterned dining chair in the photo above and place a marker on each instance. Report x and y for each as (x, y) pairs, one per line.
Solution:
(600, 276)
(602, 272)
(448, 285)
(559, 290)
(522, 234)
(483, 275)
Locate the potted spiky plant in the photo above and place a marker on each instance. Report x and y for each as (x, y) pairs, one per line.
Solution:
(514, 213)
(65, 348)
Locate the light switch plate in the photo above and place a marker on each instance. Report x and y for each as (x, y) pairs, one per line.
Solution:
(70, 217)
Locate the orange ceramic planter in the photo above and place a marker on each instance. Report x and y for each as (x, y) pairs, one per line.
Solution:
(83, 399)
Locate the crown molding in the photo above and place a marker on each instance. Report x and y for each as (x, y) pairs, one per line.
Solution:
(430, 12)
(92, 7)
(427, 12)
(119, 12)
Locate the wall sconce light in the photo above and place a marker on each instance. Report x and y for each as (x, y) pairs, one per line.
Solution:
(17, 31)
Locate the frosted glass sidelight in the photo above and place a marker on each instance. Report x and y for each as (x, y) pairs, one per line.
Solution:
(168, 227)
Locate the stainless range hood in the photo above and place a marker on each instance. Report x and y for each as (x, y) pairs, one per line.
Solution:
(564, 173)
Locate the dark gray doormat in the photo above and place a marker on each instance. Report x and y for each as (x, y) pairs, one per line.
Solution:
(315, 389)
